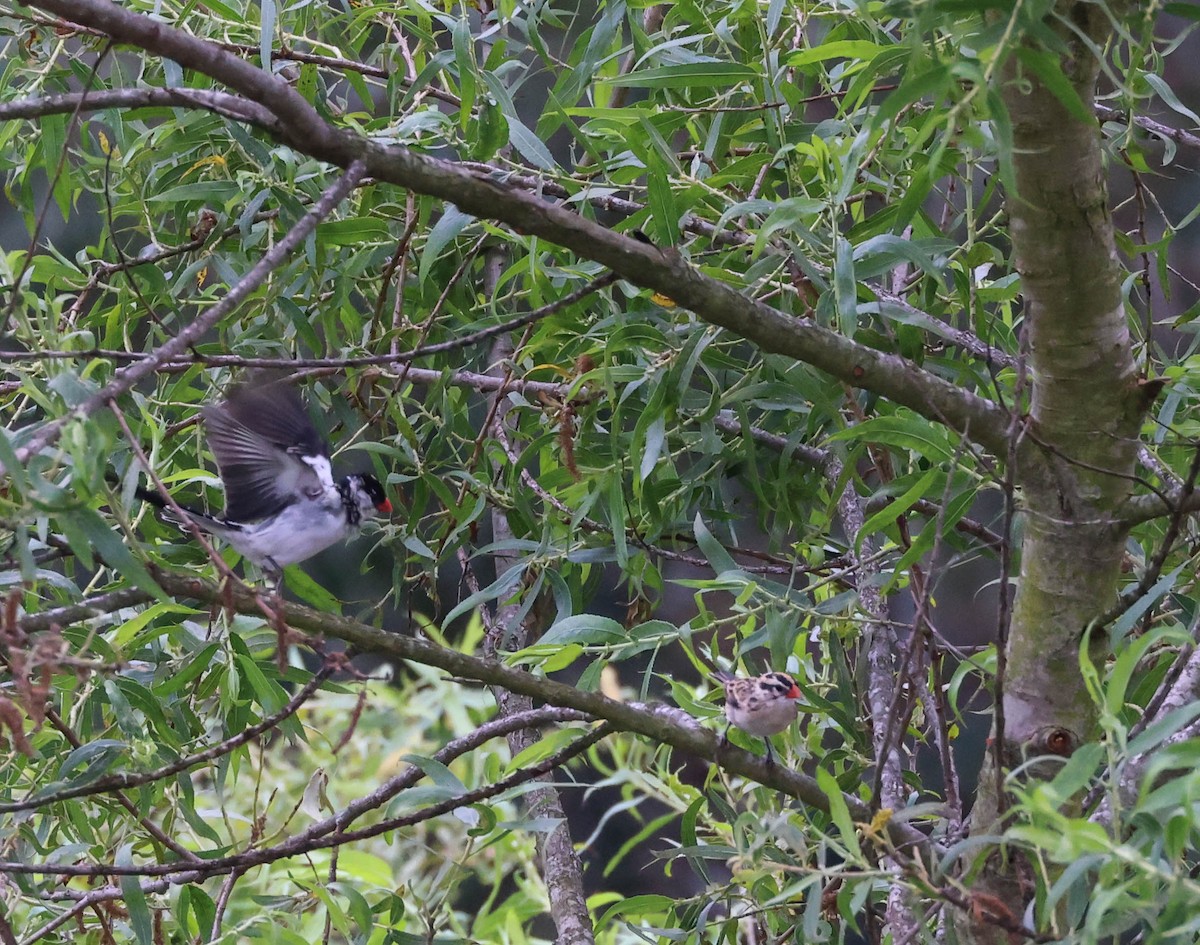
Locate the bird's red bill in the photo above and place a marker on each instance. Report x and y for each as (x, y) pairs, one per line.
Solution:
(385, 507)
(793, 693)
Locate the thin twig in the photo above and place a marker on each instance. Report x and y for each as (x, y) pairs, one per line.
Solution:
(48, 200)
(332, 832)
(271, 260)
(1155, 566)
(125, 780)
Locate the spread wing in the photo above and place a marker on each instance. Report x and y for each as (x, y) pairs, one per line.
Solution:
(276, 413)
(267, 451)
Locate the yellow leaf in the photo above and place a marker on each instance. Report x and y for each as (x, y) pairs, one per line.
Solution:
(201, 276)
(659, 299)
(880, 820)
(204, 162)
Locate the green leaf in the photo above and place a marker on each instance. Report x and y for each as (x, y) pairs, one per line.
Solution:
(887, 516)
(203, 191)
(686, 76)
(497, 590)
(529, 146)
(306, 85)
(266, 693)
(135, 899)
(266, 33)
(647, 907)
(451, 224)
(586, 629)
(713, 550)
(856, 49)
(8, 459)
(1167, 94)
(367, 867)
(438, 773)
(113, 550)
(903, 430)
(880, 254)
(353, 231)
(845, 288)
(1156, 592)
(464, 58)
(656, 437)
(838, 810)
(1129, 658)
(690, 838)
(303, 586)
(1188, 10)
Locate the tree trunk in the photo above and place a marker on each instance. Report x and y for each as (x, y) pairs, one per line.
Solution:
(1084, 415)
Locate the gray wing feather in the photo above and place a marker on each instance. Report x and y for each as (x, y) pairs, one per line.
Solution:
(275, 412)
(261, 476)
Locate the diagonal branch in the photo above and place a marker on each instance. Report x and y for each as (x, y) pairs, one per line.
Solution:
(331, 832)
(663, 724)
(271, 260)
(664, 271)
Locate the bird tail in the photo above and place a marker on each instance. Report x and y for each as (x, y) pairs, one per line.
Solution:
(722, 676)
(200, 519)
(149, 495)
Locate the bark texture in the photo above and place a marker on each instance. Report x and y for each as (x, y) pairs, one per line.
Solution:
(1084, 416)
(562, 872)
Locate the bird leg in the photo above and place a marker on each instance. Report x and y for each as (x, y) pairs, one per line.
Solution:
(274, 576)
(770, 753)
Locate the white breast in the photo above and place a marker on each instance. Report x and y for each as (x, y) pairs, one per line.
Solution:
(298, 532)
(768, 717)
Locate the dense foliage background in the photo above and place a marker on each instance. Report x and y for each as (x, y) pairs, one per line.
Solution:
(685, 336)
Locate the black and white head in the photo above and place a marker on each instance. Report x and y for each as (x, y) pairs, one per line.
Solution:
(364, 496)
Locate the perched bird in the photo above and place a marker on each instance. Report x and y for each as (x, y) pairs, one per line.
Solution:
(282, 504)
(759, 705)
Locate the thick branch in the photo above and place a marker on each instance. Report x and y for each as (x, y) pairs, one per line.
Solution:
(1142, 508)
(663, 271)
(85, 610)
(668, 726)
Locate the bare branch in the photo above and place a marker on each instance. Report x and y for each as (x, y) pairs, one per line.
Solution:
(1143, 508)
(306, 367)
(1157, 128)
(1154, 568)
(222, 103)
(87, 609)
